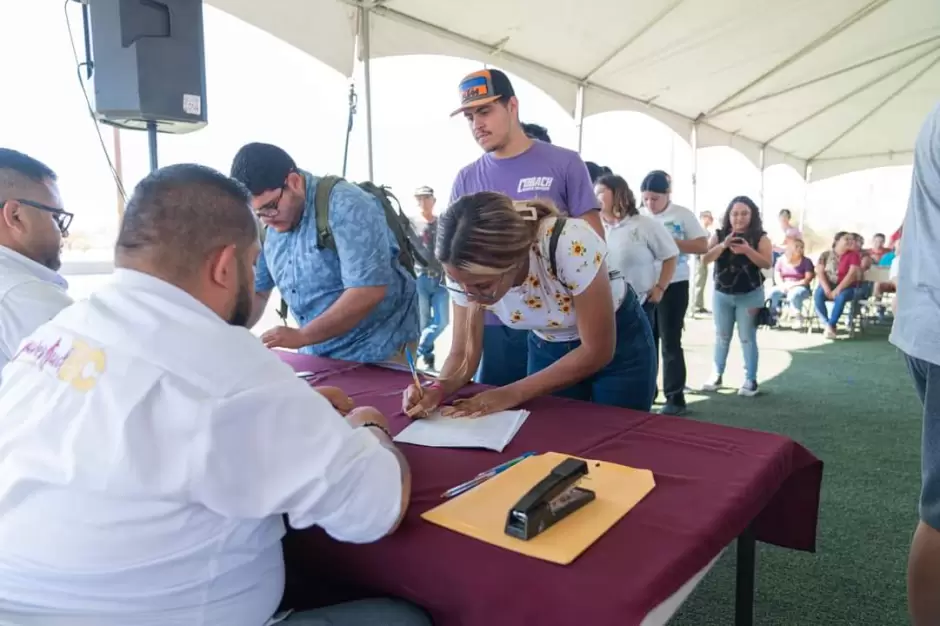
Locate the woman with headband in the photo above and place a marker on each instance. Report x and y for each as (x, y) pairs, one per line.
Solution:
(538, 271)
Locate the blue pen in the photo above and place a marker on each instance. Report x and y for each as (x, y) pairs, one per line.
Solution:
(482, 477)
(412, 367)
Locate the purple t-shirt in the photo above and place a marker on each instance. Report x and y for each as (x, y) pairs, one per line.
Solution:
(793, 273)
(543, 171)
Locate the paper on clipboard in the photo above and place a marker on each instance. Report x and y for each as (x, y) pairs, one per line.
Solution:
(492, 432)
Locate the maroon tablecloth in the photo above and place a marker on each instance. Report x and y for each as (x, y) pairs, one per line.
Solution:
(711, 483)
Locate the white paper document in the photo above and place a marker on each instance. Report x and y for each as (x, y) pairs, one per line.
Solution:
(493, 432)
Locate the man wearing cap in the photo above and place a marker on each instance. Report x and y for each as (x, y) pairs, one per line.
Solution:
(433, 299)
(691, 238)
(515, 165)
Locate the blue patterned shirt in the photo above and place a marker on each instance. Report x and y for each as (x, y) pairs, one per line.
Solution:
(366, 255)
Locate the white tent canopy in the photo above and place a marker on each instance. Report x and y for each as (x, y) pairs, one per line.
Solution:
(839, 85)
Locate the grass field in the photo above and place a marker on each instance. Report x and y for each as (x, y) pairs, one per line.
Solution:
(852, 404)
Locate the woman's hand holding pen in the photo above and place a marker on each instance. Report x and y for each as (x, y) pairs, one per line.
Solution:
(419, 402)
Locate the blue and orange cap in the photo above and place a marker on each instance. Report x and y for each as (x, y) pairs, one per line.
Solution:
(482, 88)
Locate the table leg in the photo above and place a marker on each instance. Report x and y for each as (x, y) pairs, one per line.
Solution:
(745, 577)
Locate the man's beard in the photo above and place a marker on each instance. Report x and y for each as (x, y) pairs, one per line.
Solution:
(244, 301)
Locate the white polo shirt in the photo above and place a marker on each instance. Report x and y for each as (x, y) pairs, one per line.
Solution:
(30, 294)
(147, 452)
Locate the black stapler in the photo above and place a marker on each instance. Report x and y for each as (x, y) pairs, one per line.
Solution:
(553, 499)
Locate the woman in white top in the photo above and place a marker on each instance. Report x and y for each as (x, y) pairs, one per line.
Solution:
(640, 248)
(590, 339)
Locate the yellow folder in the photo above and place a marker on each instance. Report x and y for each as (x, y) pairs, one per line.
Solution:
(481, 513)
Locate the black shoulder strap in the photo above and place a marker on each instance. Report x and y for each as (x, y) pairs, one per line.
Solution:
(553, 244)
(321, 205)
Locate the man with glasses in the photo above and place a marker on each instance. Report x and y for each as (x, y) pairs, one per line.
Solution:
(32, 226)
(355, 302)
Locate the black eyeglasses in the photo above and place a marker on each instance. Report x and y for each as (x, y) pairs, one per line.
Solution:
(62, 218)
(270, 209)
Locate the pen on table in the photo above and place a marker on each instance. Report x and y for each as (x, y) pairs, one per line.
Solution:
(484, 476)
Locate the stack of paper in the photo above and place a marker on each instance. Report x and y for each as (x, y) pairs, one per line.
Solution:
(493, 432)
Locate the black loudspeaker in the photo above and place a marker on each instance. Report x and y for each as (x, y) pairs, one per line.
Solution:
(149, 63)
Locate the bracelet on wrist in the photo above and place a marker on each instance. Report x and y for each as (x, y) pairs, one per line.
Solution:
(436, 385)
(379, 426)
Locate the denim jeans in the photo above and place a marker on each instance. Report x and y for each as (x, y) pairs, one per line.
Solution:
(434, 311)
(796, 295)
(505, 355)
(926, 377)
(729, 309)
(831, 319)
(629, 380)
(373, 612)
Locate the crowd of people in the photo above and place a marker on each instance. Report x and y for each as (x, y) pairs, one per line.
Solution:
(137, 412)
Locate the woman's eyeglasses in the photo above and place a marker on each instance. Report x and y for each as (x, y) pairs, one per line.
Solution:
(62, 218)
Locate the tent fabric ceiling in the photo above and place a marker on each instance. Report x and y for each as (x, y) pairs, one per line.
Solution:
(842, 84)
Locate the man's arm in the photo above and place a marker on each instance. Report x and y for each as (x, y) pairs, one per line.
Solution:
(355, 486)
(699, 245)
(264, 283)
(579, 195)
(363, 244)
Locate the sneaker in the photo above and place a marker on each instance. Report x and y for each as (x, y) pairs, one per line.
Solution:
(713, 384)
(672, 409)
(749, 389)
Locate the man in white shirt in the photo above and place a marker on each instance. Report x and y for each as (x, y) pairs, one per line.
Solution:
(150, 445)
(32, 225)
(916, 332)
(691, 239)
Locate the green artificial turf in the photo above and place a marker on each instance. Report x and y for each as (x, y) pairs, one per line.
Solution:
(852, 404)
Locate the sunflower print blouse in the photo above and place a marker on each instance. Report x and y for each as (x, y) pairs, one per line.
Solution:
(544, 303)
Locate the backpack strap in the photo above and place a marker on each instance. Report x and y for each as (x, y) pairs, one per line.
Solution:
(321, 205)
(553, 244)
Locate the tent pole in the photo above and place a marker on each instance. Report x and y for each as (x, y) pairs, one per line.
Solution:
(366, 52)
(695, 168)
(763, 168)
(579, 116)
(807, 179)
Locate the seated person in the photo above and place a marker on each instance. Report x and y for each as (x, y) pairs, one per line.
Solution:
(878, 249)
(793, 275)
(32, 226)
(355, 302)
(151, 447)
(590, 339)
(838, 273)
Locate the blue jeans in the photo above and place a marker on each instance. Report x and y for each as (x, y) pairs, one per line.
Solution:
(505, 355)
(434, 311)
(796, 295)
(830, 320)
(373, 612)
(926, 377)
(729, 309)
(629, 380)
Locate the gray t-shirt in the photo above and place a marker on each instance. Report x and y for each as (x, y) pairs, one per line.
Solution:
(917, 326)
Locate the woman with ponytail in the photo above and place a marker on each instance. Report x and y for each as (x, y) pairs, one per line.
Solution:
(590, 338)
(641, 248)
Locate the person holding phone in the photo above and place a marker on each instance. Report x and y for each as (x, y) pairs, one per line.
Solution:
(740, 249)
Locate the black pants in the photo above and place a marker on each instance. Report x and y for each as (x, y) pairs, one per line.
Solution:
(670, 319)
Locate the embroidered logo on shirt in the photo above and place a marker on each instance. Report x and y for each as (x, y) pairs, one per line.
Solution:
(535, 183)
(79, 366)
